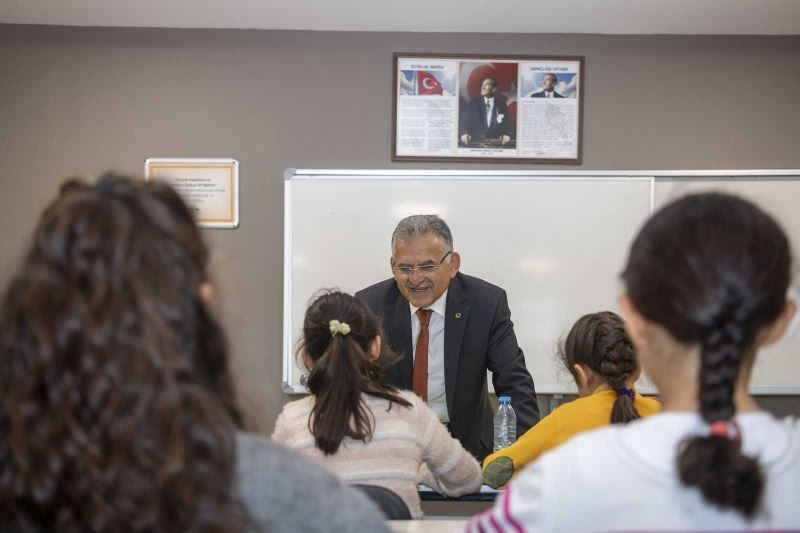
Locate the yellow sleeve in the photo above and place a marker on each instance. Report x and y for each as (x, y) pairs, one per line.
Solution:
(647, 406)
(537, 440)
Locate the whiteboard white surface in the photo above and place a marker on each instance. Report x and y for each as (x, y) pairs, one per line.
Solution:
(556, 245)
(777, 368)
(555, 242)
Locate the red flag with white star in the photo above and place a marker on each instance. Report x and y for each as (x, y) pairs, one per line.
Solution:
(427, 84)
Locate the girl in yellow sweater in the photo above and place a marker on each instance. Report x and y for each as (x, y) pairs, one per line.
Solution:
(599, 355)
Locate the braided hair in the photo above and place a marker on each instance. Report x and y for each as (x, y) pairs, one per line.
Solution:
(600, 342)
(713, 269)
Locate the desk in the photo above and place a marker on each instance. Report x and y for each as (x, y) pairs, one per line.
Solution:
(486, 494)
(425, 526)
(435, 504)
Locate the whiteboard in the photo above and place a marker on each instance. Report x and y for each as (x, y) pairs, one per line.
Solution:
(777, 368)
(556, 242)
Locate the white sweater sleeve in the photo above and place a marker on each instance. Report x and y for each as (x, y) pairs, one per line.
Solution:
(520, 507)
(448, 467)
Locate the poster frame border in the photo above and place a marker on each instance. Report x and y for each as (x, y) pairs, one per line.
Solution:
(186, 163)
(396, 56)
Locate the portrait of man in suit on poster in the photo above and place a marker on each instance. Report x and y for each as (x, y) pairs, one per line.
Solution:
(548, 91)
(486, 118)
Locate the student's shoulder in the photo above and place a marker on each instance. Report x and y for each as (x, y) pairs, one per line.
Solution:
(647, 406)
(583, 403)
(410, 397)
(589, 445)
(578, 462)
(297, 408)
(258, 456)
(272, 467)
(577, 416)
(416, 406)
(385, 408)
(273, 482)
(418, 413)
(791, 426)
(775, 440)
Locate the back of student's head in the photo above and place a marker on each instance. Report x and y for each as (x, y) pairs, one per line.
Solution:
(339, 339)
(109, 360)
(713, 269)
(599, 342)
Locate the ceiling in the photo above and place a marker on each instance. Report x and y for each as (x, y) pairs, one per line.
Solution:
(747, 17)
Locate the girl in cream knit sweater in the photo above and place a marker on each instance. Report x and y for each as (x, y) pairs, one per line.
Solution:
(362, 430)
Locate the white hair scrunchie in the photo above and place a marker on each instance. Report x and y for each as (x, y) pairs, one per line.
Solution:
(342, 328)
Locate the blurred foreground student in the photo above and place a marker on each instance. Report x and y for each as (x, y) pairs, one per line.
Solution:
(706, 284)
(599, 355)
(365, 431)
(116, 411)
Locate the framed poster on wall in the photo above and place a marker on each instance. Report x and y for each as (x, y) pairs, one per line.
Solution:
(210, 187)
(512, 108)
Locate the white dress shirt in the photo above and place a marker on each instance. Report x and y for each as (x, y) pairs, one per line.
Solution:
(436, 393)
(490, 102)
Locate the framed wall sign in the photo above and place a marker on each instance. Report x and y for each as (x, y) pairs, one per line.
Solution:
(210, 187)
(512, 108)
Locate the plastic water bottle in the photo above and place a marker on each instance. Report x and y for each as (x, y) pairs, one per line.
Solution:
(505, 424)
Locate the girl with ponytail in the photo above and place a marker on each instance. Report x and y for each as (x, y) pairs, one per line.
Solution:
(705, 288)
(599, 355)
(363, 430)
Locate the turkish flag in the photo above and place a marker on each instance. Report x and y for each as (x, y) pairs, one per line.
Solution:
(427, 84)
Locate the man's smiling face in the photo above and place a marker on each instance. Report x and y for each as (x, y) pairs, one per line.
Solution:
(426, 252)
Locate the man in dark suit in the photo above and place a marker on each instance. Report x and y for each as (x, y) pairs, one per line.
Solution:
(485, 118)
(548, 91)
(450, 329)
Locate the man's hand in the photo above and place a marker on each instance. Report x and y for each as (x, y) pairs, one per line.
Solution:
(504, 139)
(466, 138)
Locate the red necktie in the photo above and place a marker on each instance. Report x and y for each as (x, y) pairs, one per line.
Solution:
(420, 383)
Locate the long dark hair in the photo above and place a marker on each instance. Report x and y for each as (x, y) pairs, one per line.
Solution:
(342, 372)
(713, 269)
(116, 411)
(600, 342)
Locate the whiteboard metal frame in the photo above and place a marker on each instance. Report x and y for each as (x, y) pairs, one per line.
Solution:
(305, 173)
(653, 176)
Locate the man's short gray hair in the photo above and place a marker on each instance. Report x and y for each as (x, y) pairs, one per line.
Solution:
(419, 225)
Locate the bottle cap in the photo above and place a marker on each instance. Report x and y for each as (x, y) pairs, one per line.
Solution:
(504, 399)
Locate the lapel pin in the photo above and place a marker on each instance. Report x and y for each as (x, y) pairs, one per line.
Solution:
(458, 315)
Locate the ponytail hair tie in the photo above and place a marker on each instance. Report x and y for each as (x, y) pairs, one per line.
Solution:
(727, 429)
(342, 328)
(625, 391)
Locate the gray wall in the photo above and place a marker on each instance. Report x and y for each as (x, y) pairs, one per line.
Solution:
(81, 100)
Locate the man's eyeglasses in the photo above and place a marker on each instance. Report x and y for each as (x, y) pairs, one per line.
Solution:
(425, 268)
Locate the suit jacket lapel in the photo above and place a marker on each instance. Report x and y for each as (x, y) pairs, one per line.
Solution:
(398, 315)
(455, 324)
